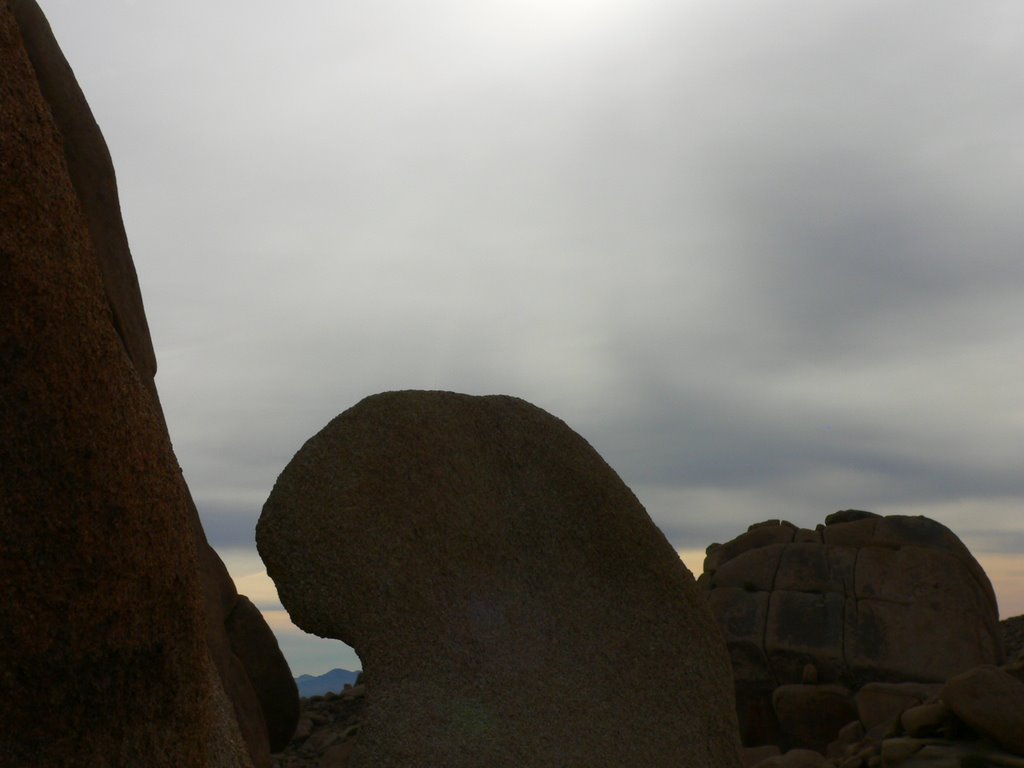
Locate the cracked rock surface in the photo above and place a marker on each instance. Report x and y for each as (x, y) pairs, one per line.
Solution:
(862, 598)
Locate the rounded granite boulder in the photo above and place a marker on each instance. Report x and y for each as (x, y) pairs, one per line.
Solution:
(863, 598)
(510, 599)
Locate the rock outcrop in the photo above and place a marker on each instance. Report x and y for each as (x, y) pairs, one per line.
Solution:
(115, 604)
(254, 645)
(991, 701)
(510, 599)
(975, 719)
(860, 599)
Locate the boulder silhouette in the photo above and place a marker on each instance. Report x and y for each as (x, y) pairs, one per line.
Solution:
(863, 598)
(510, 599)
(116, 605)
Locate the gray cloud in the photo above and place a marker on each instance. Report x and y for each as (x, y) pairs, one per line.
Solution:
(766, 257)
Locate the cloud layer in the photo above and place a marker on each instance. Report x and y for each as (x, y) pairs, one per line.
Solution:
(765, 257)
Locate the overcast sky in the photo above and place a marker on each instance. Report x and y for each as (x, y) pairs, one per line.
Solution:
(765, 256)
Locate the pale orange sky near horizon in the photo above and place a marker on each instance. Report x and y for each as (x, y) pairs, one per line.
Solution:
(1006, 573)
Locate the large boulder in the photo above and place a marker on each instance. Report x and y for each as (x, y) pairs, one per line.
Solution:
(510, 599)
(862, 598)
(991, 701)
(91, 174)
(117, 606)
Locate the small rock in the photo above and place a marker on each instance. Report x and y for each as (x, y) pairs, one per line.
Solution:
(926, 719)
(899, 749)
(848, 516)
(355, 692)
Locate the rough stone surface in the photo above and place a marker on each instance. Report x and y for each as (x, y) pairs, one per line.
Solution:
(1013, 637)
(509, 597)
(846, 738)
(939, 753)
(91, 173)
(103, 621)
(328, 730)
(812, 715)
(991, 701)
(103, 561)
(253, 642)
(982, 727)
(882, 703)
(926, 719)
(751, 756)
(220, 598)
(863, 598)
(796, 758)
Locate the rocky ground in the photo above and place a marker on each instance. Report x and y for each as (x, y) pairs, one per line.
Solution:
(327, 729)
(328, 725)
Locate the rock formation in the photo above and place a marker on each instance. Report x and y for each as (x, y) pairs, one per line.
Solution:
(509, 597)
(328, 730)
(115, 604)
(862, 598)
(975, 719)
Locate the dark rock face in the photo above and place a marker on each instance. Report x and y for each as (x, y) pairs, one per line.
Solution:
(274, 685)
(92, 175)
(115, 603)
(102, 624)
(252, 668)
(510, 599)
(863, 598)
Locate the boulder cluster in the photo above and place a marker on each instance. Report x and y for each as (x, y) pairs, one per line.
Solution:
(974, 720)
(867, 639)
(117, 613)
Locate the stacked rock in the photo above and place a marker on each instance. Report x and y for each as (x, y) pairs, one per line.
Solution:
(975, 719)
(811, 617)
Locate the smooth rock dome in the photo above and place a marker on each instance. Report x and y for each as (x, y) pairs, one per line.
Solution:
(511, 600)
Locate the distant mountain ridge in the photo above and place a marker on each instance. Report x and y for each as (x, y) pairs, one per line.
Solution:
(329, 682)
